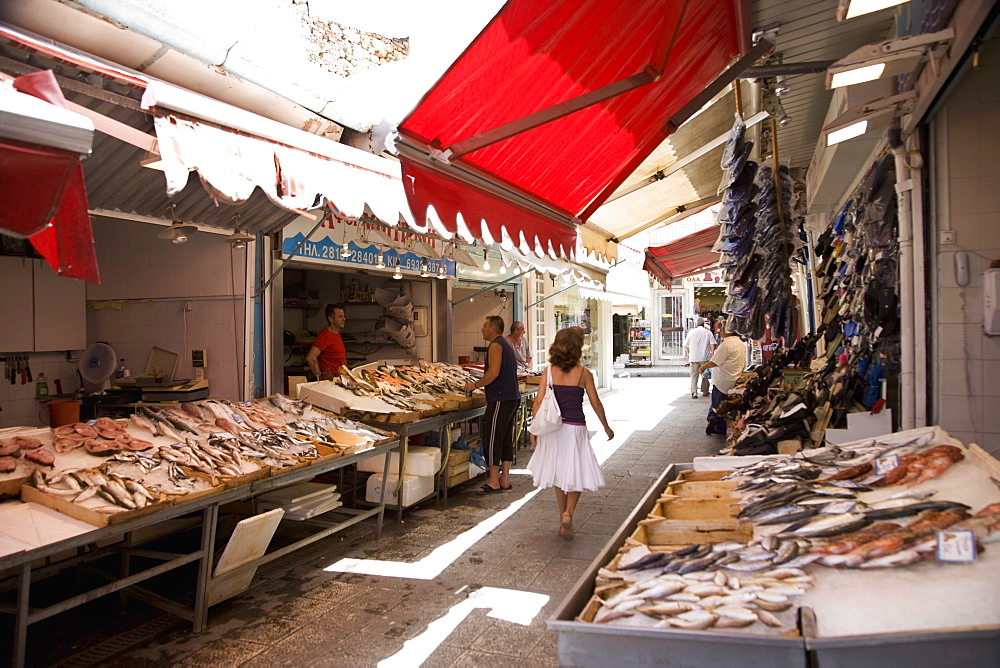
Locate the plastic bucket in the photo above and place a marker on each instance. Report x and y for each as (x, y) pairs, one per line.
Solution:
(61, 411)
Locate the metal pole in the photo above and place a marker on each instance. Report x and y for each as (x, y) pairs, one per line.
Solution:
(550, 296)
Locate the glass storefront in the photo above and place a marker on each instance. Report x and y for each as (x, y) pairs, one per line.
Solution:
(574, 311)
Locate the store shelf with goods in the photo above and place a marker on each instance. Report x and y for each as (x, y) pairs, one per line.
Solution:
(640, 343)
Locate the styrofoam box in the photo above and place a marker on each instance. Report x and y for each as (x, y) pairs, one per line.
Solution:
(421, 460)
(415, 487)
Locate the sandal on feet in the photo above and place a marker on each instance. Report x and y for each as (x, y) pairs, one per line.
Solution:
(507, 488)
(566, 531)
(486, 489)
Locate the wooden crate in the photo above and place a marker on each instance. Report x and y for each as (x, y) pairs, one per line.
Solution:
(458, 457)
(720, 489)
(658, 532)
(458, 476)
(694, 509)
(690, 475)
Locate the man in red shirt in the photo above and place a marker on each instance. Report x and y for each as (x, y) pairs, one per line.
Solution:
(327, 354)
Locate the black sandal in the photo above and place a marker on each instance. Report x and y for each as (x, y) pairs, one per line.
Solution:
(486, 490)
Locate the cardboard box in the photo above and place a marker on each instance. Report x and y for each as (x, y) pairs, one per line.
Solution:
(421, 460)
(415, 488)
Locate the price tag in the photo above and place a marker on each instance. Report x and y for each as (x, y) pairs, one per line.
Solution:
(238, 418)
(246, 404)
(222, 434)
(91, 422)
(144, 454)
(885, 464)
(878, 333)
(839, 507)
(958, 546)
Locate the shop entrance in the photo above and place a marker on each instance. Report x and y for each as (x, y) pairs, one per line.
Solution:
(671, 326)
(709, 302)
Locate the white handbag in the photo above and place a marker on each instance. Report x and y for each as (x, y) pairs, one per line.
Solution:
(549, 417)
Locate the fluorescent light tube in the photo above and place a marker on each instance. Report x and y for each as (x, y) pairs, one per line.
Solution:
(862, 7)
(850, 132)
(858, 75)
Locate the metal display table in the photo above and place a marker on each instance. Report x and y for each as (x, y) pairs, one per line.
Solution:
(26, 571)
(437, 423)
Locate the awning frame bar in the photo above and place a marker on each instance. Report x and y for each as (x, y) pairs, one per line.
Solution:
(652, 72)
(491, 287)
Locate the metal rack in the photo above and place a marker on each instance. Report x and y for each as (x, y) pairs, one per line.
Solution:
(26, 571)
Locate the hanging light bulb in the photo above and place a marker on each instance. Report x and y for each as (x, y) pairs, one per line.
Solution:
(424, 269)
(503, 267)
(397, 274)
(486, 261)
(784, 121)
(345, 247)
(380, 260)
(781, 89)
(441, 273)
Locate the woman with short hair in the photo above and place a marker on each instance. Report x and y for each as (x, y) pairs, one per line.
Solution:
(564, 458)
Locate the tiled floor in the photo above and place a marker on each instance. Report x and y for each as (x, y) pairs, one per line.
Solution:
(296, 613)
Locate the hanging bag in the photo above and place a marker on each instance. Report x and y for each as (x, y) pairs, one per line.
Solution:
(549, 417)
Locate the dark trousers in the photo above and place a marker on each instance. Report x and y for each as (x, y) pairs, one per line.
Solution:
(717, 423)
(498, 431)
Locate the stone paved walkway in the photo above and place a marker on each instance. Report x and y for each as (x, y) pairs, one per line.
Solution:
(299, 614)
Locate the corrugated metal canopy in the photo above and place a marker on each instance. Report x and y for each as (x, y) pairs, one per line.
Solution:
(801, 31)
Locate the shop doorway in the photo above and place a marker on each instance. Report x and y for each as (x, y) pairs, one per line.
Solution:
(709, 301)
(671, 326)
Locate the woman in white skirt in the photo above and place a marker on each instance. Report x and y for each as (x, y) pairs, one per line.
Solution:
(564, 459)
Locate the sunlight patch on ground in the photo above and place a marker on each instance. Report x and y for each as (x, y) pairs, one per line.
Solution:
(439, 559)
(510, 605)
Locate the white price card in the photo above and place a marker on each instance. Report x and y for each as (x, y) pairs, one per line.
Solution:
(885, 464)
(91, 422)
(958, 546)
(246, 404)
(238, 418)
(223, 434)
(839, 507)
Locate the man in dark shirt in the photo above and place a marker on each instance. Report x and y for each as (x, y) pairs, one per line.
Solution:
(502, 400)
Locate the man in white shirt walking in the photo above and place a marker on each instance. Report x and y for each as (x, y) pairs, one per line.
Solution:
(699, 344)
(728, 362)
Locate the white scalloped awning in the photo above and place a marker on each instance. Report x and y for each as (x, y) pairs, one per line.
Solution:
(235, 151)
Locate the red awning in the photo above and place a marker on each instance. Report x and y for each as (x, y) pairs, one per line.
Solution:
(683, 257)
(556, 102)
(43, 196)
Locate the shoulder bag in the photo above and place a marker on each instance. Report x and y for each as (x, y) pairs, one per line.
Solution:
(549, 417)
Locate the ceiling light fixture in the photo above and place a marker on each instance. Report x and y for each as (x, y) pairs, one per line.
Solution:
(785, 121)
(849, 132)
(486, 261)
(877, 114)
(886, 59)
(380, 260)
(397, 274)
(781, 89)
(240, 239)
(848, 9)
(441, 272)
(424, 269)
(177, 232)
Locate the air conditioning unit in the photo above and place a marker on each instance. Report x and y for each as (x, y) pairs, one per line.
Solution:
(991, 302)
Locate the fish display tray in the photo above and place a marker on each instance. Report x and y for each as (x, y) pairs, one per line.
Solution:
(715, 489)
(661, 533)
(581, 643)
(83, 513)
(401, 417)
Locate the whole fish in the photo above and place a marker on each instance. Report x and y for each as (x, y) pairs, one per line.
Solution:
(832, 525)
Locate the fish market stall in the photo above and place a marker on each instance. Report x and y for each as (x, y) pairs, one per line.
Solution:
(883, 549)
(101, 482)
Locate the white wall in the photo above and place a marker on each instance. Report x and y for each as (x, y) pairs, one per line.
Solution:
(468, 317)
(966, 143)
(145, 284)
